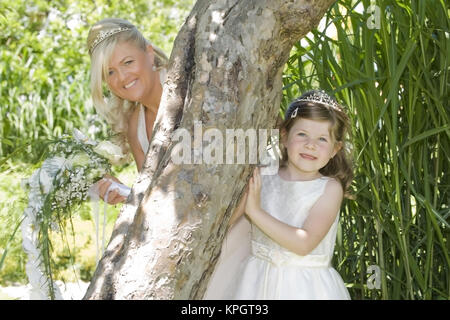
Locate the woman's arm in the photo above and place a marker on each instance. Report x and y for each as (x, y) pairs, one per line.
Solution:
(114, 196)
(298, 240)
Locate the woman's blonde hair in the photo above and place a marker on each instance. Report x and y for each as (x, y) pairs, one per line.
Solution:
(319, 106)
(102, 39)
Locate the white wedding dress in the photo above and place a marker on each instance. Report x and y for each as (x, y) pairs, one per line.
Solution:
(253, 266)
(142, 128)
(235, 249)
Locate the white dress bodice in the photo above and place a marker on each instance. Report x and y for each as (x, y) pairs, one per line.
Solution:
(290, 202)
(269, 271)
(142, 127)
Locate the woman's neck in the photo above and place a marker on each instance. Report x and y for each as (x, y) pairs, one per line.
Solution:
(153, 99)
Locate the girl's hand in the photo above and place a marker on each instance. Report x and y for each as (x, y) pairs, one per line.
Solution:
(253, 204)
(114, 196)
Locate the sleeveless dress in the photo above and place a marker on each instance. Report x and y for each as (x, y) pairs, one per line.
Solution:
(270, 271)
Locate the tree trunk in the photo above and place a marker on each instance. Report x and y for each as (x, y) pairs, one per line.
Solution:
(225, 73)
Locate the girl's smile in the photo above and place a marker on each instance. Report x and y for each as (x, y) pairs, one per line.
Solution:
(307, 156)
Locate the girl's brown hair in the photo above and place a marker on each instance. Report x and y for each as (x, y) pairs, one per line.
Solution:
(319, 106)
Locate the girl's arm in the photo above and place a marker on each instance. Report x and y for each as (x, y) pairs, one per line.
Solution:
(298, 240)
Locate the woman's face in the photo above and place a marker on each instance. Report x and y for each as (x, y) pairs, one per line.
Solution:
(130, 73)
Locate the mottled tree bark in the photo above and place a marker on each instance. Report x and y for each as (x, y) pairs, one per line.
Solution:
(225, 73)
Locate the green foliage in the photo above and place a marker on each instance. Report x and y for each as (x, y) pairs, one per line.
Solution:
(394, 80)
(12, 268)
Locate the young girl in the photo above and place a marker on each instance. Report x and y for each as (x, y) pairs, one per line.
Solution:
(294, 214)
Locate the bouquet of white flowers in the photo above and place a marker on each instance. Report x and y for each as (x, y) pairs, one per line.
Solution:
(55, 190)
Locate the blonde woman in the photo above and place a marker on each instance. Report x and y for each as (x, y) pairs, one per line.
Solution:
(133, 70)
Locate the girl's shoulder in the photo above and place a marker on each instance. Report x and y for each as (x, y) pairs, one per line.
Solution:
(334, 182)
(330, 180)
(333, 187)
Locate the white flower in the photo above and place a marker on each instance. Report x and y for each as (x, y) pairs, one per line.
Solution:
(69, 176)
(55, 163)
(81, 137)
(79, 159)
(95, 173)
(110, 151)
(46, 181)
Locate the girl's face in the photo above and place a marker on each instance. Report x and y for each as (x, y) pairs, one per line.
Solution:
(309, 147)
(130, 73)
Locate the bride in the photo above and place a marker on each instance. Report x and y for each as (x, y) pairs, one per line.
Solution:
(134, 71)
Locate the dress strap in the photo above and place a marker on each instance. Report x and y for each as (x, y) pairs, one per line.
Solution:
(142, 130)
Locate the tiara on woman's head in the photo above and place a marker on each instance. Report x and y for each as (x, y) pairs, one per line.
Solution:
(102, 35)
(317, 97)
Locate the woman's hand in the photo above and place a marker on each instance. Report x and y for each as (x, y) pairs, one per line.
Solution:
(253, 204)
(114, 196)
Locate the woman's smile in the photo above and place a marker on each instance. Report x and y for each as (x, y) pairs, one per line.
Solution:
(130, 74)
(130, 84)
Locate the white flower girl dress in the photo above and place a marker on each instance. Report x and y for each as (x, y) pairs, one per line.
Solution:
(253, 266)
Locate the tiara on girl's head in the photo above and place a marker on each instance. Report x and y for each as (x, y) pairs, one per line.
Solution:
(317, 97)
(102, 35)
